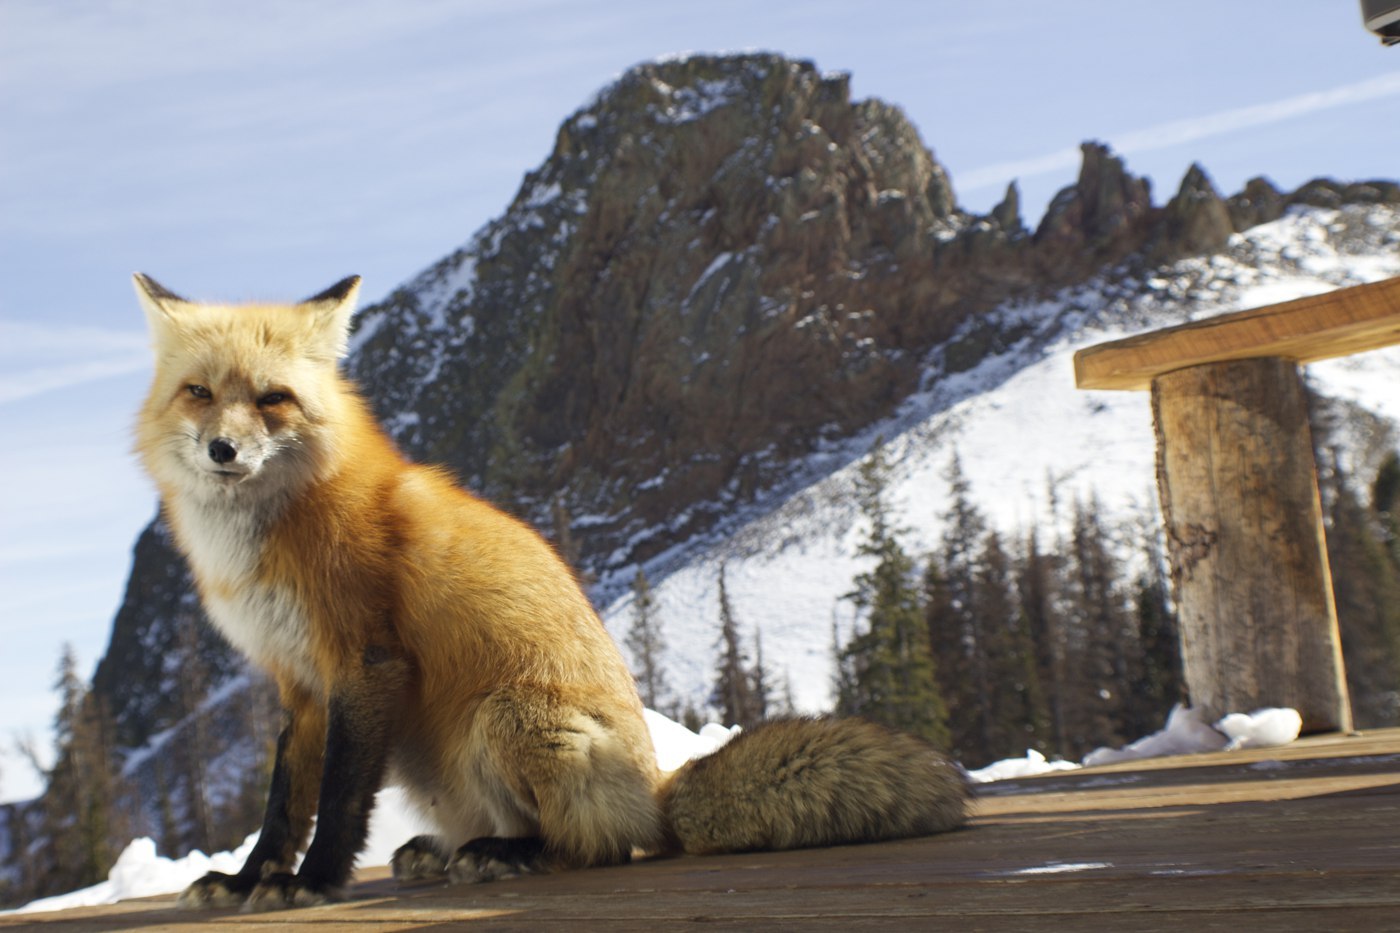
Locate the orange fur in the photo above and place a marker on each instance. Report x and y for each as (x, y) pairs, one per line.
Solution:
(517, 715)
(411, 627)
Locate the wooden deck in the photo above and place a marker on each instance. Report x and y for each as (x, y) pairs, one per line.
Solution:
(1301, 838)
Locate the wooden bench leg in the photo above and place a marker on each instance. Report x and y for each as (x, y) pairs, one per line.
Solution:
(1239, 493)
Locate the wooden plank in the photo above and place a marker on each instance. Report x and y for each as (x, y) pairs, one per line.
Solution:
(1299, 838)
(1336, 323)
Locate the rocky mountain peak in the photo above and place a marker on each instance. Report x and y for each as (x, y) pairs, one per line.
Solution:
(1007, 214)
(1195, 221)
(1259, 202)
(719, 264)
(724, 263)
(1102, 217)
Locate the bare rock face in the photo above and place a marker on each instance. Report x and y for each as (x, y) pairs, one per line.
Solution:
(1106, 215)
(1007, 214)
(723, 261)
(1194, 222)
(1259, 203)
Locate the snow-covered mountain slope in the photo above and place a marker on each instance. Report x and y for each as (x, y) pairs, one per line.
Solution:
(1019, 426)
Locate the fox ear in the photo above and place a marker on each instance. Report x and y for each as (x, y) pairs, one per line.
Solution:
(330, 312)
(162, 306)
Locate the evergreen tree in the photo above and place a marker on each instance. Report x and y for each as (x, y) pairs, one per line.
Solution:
(1015, 713)
(1163, 683)
(645, 642)
(1385, 502)
(1105, 656)
(892, 672)
(943, 618)
(733, 694)
(760, 690)
(1036, 578)
(195, 749)
(784, 704)
(844, 684)
(953, 623)
(81, 812)
(964, 529)
(63, 793)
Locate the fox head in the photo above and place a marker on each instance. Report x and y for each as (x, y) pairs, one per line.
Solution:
(245, 397)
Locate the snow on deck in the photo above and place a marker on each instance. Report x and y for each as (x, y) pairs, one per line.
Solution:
(1294, 838)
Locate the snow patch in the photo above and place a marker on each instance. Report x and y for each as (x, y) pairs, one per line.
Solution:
(1186, 734)
(1263, 728)
(1010, 768)
(688, 104)
(141, 872)
(1060, 868)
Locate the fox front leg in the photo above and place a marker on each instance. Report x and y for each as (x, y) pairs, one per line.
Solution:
(357, 749)
(291, 800)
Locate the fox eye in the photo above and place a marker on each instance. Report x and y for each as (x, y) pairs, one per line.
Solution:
(199, 391)
(272, 398)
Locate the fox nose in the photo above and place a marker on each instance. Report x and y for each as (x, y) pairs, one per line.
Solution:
(221, 450)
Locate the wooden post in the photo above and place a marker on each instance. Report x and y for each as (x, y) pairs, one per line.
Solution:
(1239, 492)
(1245, 539)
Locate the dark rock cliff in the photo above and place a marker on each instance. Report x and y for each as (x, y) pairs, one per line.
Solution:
(724, 262)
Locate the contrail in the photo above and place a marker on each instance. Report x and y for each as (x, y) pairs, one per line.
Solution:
(35, 359)
(1177, 132)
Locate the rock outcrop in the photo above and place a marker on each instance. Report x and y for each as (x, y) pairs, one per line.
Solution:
(1196, 221)
(1105, 216)
(724, 261)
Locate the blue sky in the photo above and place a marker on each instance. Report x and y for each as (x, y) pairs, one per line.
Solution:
(266, 149)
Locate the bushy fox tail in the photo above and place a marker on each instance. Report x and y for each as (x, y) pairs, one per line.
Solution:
(793, 783)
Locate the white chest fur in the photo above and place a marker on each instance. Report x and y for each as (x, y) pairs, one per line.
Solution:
(262, 620)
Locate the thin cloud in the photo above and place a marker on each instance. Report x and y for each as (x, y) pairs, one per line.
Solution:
(22, 340)
(1177, 132)
(37, 359)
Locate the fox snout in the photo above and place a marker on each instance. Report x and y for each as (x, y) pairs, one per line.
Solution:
(230, 454)
(222, 450)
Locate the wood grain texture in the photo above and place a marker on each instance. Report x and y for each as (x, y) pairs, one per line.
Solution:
(1294, 839)
(1245, 538)
(1337, 323)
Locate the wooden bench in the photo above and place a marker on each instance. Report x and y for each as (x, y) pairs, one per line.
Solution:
(1238, 485)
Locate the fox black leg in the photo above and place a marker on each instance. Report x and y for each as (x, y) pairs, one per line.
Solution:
(287, 819)
(357, 748)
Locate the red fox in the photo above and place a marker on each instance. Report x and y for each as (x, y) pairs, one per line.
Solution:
(418, 635)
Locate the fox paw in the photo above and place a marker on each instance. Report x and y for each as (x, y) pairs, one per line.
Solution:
(281, 891)
(491, 858)
(419, 859)
(216, 889)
